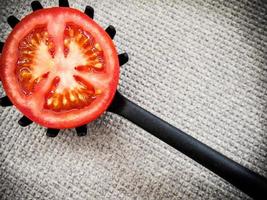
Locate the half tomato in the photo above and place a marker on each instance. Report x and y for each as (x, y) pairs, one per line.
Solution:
(59, 68)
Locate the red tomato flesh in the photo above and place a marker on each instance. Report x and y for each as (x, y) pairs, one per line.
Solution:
(59, 68)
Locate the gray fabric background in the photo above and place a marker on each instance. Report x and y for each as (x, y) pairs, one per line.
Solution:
(200, 65)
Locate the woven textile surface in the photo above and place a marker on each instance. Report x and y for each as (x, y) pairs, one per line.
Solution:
(200, 65)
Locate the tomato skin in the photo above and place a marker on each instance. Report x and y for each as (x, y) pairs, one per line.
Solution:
(31, 107)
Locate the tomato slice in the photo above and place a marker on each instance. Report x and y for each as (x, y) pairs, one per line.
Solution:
(59, 68)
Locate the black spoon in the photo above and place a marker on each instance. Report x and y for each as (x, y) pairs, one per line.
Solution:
(246, 180)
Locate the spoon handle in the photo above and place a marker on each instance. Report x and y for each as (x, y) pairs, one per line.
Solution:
(246, 180)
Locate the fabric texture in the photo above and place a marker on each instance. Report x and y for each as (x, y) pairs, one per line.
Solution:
(200, 65)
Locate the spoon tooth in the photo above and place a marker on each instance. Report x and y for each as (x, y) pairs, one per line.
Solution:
(111, 31)
(12, 21)
(52, 132)
(63, 3)
(89, 11)
(5, 101)
(123, 58)
(36, 5)
(24, 121)
(81, 130)
(1, 46)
